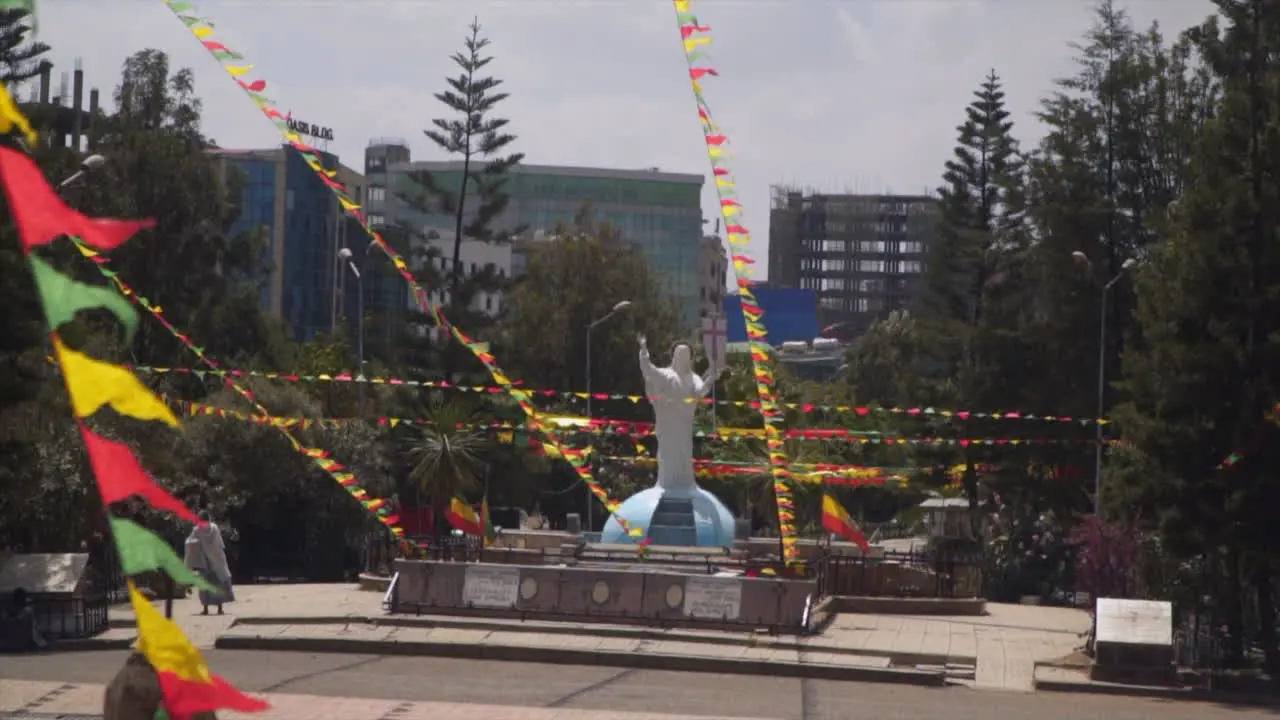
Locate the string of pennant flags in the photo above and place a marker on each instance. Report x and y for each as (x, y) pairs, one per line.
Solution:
(694, 37)
(574, 425)
(240, 70)
(187, 685)
(321, 458)
(572, 395)
(808, 473)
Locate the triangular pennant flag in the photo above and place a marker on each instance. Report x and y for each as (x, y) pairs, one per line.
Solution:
(92, 384)
(64, 297)
(120, 476)
(41, 216)
(188, 686)
(143, 551)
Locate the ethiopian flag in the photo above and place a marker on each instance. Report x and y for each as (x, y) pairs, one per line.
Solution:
(461, 516)
(185, 681)
(835, 519)
(486, 523)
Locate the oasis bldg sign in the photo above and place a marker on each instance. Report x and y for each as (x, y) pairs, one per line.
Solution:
(306, 128)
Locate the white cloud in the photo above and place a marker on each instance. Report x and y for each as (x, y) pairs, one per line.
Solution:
(858, 94)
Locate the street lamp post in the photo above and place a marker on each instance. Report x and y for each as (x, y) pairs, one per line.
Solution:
(621, 306)
(345, 255)
(1127, 265)
(88, 165)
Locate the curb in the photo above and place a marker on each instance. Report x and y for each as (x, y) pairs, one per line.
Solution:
(90, 644)
(1193, 694)
(752, 640)
(566, 656)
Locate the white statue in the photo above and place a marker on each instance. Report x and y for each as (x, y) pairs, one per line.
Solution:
(675, 511)
(674, 392)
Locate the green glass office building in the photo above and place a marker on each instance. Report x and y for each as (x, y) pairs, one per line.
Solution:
(658, 212)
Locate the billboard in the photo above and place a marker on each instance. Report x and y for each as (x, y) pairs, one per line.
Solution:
(790, 315)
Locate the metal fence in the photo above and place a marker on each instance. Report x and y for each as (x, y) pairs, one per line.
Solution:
(66, 618)
(900, 575)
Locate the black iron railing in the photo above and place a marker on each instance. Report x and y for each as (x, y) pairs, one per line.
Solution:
(60, 617)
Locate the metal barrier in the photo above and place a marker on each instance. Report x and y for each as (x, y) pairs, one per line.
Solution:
(899, 575)
(64, 617)
(577, 594)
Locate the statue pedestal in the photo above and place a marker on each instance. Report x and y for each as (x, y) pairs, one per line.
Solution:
(688, 516)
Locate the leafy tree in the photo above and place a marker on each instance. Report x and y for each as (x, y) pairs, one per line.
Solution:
(1202, 376)
(207, 282)
(20, 55)
(478, 196)
(574, 278)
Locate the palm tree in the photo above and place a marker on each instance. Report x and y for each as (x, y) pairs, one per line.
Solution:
(447, 455)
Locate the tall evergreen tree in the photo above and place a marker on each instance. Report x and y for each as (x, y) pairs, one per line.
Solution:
(972, 258)
(20, 55)
(971, 247)
(476, 196)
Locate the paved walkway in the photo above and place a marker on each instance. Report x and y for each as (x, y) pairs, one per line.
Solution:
(53, 698)
(1004, 645)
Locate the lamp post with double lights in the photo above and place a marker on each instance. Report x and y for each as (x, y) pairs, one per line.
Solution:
(620, 306)
(1083, 260)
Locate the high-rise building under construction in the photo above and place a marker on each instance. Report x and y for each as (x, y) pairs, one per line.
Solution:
(863, 254)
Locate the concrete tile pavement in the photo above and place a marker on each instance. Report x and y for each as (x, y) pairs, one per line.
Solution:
(569, 649)
(62, 698)
(1004, 645)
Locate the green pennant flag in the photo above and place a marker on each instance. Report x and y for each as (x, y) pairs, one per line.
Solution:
(143, 551)
(64, 297)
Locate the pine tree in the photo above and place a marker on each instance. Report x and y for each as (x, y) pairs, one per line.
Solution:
(480, 141)
(976, 246)
(20, 56)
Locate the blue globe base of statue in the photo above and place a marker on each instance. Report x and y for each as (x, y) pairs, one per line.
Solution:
(687, 517)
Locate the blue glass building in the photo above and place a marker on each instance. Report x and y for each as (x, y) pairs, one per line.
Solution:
(309, 288)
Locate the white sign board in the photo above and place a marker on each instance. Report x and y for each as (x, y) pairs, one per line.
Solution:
(487, 586)
(1135, 622)
(713, 598)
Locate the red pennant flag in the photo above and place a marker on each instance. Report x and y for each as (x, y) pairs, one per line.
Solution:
(186, 698)
(41, 216)
(121, 477)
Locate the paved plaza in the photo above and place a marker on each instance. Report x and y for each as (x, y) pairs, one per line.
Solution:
(314, 686)
(996, 651)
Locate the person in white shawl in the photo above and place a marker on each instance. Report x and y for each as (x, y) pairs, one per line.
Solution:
(207, 554)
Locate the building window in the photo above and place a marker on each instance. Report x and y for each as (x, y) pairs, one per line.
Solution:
(910, 266)
(871, 246)
(871, 285)
(910, 247)
(488, 302)
(376, 221)
(860, 305)
(871, 266)
(831, 284)
(834, 246)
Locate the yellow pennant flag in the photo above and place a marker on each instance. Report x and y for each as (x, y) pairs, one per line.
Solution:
(164, 644)
(92, 384)
(12, 119)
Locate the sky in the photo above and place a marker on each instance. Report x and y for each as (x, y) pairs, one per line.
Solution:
(833, 95)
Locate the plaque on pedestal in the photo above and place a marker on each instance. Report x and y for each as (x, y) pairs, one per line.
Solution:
(1134, 641)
